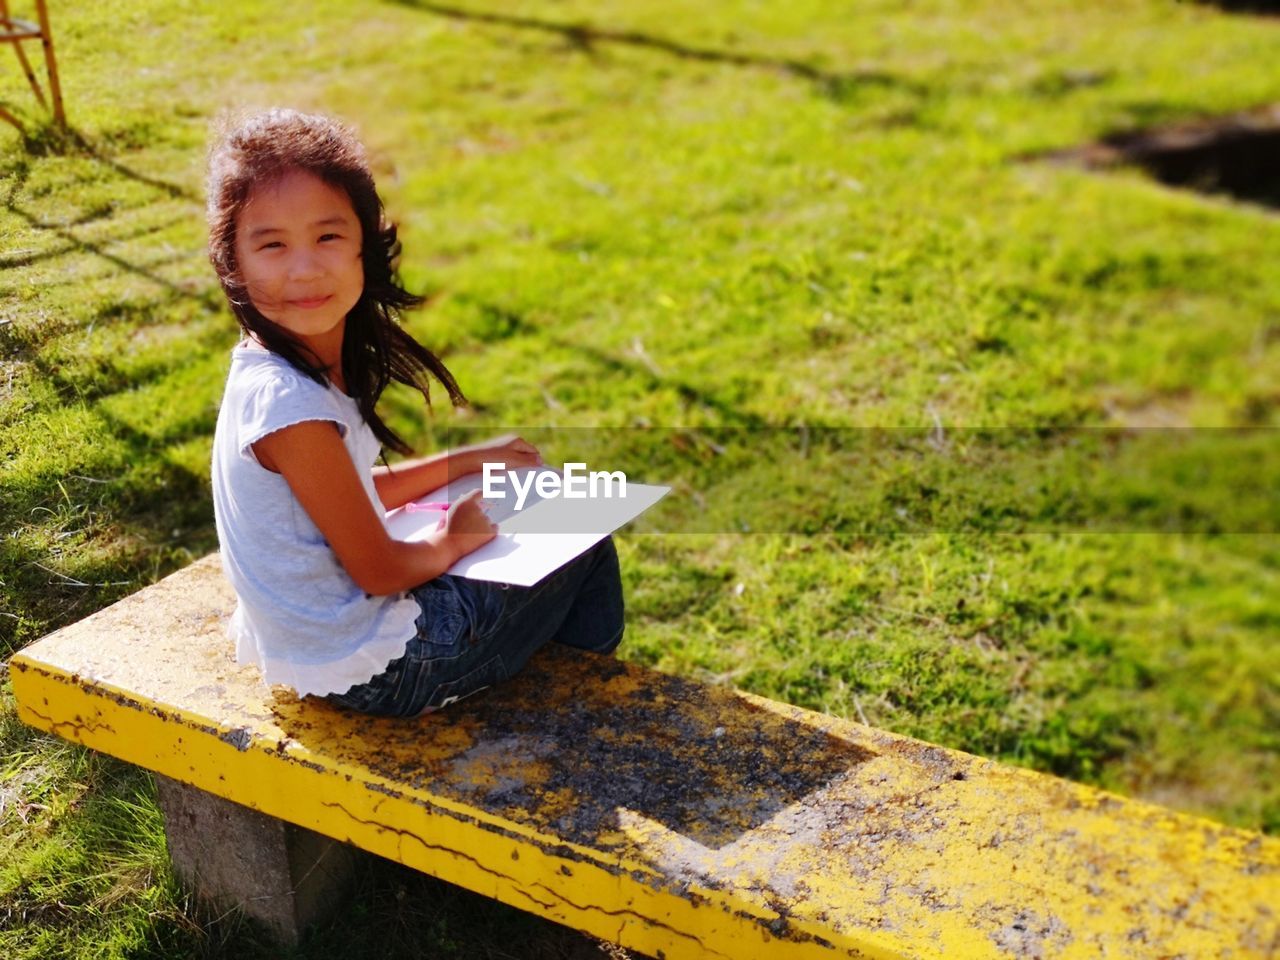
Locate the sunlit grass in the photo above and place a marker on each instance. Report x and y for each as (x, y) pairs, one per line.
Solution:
(717, 216)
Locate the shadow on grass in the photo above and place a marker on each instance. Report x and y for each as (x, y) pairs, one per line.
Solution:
(132, 547)
(152, 518)
(584, 37)
(1236, 154)
(72, 243)
(76, 245)
(50, 139)
(1256, 7)
(99, 375)
(86, 532)
(508, 324)
(67, 242)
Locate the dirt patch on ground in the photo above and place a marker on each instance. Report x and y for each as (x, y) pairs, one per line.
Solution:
(1259, 7)
(1237, 155)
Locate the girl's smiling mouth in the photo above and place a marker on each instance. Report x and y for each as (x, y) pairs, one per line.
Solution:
(310, 303)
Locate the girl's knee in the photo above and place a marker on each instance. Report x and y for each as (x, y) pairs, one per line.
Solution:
(610, 649)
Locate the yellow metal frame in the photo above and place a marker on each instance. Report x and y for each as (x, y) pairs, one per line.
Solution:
(16, 32)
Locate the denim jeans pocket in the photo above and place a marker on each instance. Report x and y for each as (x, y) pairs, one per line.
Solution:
(443, 624)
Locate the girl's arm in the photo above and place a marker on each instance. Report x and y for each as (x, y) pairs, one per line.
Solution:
(315, 463)
(398, 484)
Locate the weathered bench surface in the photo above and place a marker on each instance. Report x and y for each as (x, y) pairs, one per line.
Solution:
(668, 816)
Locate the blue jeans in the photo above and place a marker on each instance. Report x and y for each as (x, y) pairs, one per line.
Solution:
(473, 634)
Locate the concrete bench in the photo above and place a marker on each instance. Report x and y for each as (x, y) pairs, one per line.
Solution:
(670, 817)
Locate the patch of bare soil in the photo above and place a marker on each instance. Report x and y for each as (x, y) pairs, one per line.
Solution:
(1237, 154)
(1264, 7)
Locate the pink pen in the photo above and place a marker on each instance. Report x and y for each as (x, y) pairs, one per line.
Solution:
(425, 507)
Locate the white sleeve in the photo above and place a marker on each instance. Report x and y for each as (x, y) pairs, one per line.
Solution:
(277, 402)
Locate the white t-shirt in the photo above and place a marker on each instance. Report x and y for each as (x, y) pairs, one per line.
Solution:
(300, 616)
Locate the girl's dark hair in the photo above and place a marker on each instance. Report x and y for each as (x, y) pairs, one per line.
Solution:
(258, 151)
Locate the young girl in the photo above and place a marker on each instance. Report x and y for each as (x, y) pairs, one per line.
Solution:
(329, 604)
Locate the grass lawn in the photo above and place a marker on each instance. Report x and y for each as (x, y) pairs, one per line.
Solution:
(672, 224)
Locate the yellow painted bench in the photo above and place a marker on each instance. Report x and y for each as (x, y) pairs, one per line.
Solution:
(673, 818)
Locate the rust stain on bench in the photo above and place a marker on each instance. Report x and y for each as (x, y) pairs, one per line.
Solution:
(675, 818)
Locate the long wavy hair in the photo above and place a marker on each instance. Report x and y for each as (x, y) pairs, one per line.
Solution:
(259, 150)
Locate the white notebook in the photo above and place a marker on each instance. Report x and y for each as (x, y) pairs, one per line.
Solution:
(537, 539)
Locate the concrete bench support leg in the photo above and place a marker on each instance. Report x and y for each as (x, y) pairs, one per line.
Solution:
(281, 875)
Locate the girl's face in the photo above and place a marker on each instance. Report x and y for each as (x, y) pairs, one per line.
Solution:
(298, 249)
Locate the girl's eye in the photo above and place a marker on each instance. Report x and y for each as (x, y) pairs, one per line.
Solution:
(331, 236)
(272, 245)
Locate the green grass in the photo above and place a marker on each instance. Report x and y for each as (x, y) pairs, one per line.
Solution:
(717, 217)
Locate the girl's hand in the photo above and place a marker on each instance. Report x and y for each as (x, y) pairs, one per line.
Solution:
(509, 450)
(466, 527)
